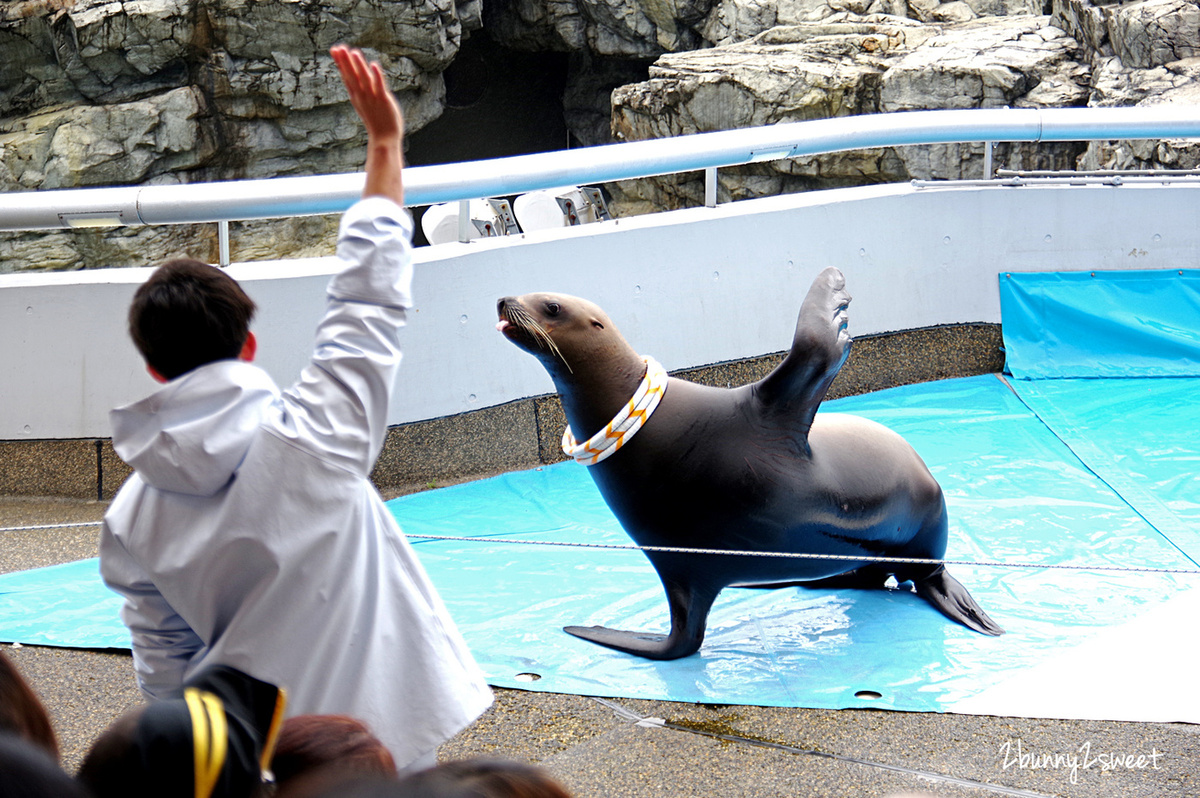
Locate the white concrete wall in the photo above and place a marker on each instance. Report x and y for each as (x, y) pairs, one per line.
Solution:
(691, 288)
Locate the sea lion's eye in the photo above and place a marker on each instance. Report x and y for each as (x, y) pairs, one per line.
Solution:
(553, 308)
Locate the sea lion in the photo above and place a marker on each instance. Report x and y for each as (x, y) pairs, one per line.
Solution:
(754, 468)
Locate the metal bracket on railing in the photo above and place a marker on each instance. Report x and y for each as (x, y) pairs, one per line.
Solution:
(596, 202)
(504, 215)
(989, 147)
(570, 212)
(593, 209)
(503, 222)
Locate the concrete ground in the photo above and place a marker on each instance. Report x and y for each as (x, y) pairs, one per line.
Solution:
(646, 749)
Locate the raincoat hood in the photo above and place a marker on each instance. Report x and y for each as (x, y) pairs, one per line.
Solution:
(191, 435)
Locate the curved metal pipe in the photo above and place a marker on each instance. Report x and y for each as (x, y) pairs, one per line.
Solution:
(426, 185)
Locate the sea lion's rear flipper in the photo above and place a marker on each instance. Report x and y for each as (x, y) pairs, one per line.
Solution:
(947, 594)
(689, 604)
(819, 348)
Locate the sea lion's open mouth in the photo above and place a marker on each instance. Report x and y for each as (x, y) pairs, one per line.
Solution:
(519, 326)
(505, 324)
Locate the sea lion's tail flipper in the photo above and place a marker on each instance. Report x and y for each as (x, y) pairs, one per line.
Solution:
(947, 594)
(819, 348)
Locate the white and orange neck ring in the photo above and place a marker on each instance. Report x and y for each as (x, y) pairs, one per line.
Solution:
(625, 425)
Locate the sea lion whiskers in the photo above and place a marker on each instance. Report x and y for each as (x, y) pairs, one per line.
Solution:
(523, 319)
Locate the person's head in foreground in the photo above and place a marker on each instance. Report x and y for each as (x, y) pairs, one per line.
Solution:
(212, 743)
(468, 778)
(330, 743)
(482, 778)
(28, 771)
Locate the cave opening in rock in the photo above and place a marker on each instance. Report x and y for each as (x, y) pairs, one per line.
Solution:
(499, 102)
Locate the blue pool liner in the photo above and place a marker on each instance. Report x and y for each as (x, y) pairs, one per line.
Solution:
(1083, 476)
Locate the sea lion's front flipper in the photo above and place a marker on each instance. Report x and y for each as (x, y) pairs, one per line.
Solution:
(947, 594)
(689, 604)
(643, 644)
(820, 347)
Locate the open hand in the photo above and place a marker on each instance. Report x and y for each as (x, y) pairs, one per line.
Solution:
(369, 94)
(380, 113)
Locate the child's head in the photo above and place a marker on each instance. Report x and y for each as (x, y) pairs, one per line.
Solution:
(482, 778)
(211, 743)
(308, 743)
(189, 314)
(28, 771)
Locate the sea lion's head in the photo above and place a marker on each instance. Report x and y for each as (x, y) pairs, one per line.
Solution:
(564, 332)
(592, 365)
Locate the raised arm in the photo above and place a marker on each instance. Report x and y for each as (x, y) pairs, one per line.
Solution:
(341, 402)
(380, 114)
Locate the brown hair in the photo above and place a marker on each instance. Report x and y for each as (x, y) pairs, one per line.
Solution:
(189, 314)
(310, 742)
(482, 778)
(21, 712)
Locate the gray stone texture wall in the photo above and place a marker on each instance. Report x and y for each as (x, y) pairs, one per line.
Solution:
(119, 92)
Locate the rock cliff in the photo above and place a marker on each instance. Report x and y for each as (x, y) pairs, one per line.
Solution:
(809, 59)
(108, 92)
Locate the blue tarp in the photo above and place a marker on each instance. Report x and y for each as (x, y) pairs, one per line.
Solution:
(1015, 493)
(61, 605)
(1075, 473)
(1101, 324)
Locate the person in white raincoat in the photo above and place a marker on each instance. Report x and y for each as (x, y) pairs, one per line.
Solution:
(250, 534)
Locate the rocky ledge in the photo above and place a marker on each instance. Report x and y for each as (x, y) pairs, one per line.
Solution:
(115, 92)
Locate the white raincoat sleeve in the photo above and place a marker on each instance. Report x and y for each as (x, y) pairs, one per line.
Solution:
(163, 644)
(341, 402)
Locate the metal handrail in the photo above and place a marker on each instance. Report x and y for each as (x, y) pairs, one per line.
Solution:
(425, 185)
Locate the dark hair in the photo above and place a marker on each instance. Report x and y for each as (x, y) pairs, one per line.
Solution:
(468, 778)
(188, 314)
(310, 742)
(210, 743)
(481, 778)
(27, 771)
(112, 757)
(21, 713)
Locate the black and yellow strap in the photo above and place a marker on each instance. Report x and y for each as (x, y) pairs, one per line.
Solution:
(210, 738)
(272, 735)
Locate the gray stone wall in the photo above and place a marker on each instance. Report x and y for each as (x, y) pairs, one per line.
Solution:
(118, 92)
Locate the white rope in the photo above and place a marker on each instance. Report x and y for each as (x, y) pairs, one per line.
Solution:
(49, 526)
(625, 424)
(804, 556)
(737, 553)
